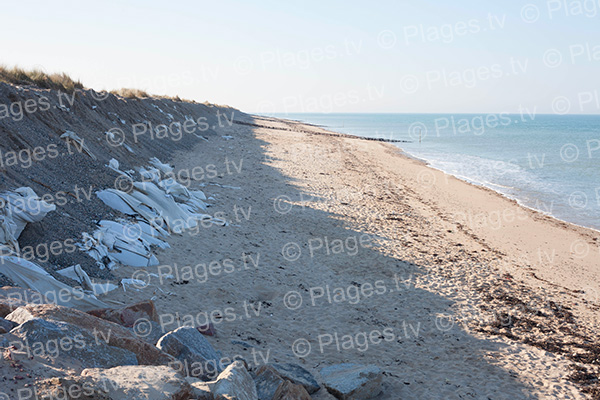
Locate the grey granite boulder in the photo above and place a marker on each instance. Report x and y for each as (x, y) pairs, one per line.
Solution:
(200, 389)
(196, 355)
(235, 383)
(298, 375)
(60, 340)
(106, 331)
(267, 382)
(140, 383)
(148, 331)
(6, 325)
(352, 381)
(290, 391)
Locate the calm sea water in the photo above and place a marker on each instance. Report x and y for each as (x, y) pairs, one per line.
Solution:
(547, 162)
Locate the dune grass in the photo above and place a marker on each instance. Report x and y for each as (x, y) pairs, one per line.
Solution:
(129, 93)
(20, 76)
(141, 94)
(63, 82)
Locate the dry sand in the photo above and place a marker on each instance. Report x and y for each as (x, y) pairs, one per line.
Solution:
(455, 291)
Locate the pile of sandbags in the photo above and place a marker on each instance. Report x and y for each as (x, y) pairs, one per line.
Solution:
(160, 206)
(159, 199)
(17, 209)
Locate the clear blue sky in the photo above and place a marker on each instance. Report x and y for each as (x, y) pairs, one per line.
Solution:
(322, 56)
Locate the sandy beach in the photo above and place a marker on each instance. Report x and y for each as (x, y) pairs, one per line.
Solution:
(345, 250)
(291, 201)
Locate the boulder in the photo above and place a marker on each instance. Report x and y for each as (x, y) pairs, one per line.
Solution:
(12, 298)
(290, 391)
(267, 382)
(200, 389)
(8, 305)
(40, 338)
(298, 375)
(6, 325)
(65, 388)
(141, 383)
(7, 338)
(148, 331)
(113, 334)
(234, 383)
(352, 381)
(127, 316)
(196, 355)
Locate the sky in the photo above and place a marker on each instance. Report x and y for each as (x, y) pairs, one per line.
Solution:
(462, 56)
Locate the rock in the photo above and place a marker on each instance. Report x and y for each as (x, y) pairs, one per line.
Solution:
(208, 330)
(113, 334)
(197, 356)
(298, 375)
(235, 383)
(148, 331)
(6, 325)
(65, 388)
(12, 298)
(352, 381)
(9, 305)
(290, 391)
(7, 338)
(141, 383)
(267, 382)
(40, 338)
(200, 389)
(127, 316)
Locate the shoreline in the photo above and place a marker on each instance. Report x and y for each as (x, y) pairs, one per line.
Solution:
(462, 178)
(511, 314)
(503, 195)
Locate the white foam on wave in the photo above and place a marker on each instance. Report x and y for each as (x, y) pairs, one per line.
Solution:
(515, 183)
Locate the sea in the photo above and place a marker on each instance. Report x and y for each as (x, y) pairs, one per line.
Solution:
(550, 163)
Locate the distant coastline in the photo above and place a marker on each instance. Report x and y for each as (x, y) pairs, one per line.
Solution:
(578, 205)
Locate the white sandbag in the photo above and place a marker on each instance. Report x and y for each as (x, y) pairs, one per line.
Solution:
(114, 165)
(199, 194)
(17, 208)
(113, 199)
(182, 194)
(150, 174)
(126, 243)
(80, 145)
(174, 188)
(30, 276)
(153, 236)
(8, 241)
(129, 242)
(137, 283)
(164, 168)
(92, 244)
(24, 205)
(177, 218)
(129, 205)
(77, 273)
(70, 273)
